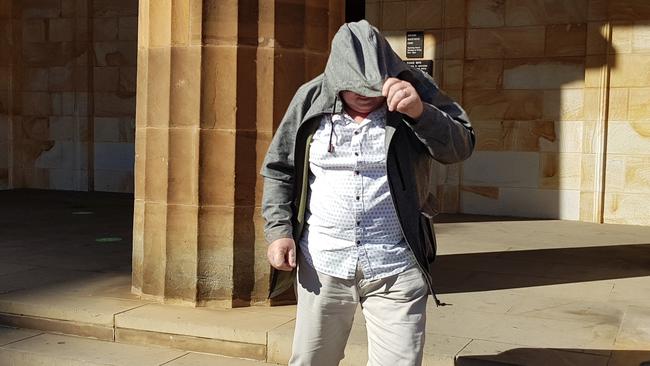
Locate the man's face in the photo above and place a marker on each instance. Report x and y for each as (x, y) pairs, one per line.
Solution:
(360, 103)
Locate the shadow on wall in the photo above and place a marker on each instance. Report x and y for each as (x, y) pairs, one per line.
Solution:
(550, 356)
(548, 134)
(528, 103)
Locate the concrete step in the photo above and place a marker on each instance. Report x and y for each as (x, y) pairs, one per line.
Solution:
(21, 347)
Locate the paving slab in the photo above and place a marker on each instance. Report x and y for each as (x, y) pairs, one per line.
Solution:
(59, 350)
(110, 285)
(54, 305)
(37, 277)
(517, 329)
(481, 237)
(192, 343)
(10, 268)
(10, 335)
(279, 343)
(240, 332)
(485, 353)
(104, 332)
(238, 325)
(50, 310)
(201, 359)
(570, 309)
(635, 329)
(632, 290)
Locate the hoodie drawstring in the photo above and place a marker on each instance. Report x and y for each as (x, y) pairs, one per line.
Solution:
(330, 148)
(438, 302)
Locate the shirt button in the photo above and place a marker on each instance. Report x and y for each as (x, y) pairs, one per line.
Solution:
(356, 154)
(356, 132)
(359, 242)
(358, 198)
(356, 172)
(358, 223)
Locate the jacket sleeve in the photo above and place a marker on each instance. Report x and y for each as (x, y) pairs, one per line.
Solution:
(444, 127)
(279, 174)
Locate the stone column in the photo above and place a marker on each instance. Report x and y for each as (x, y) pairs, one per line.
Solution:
(214, 78)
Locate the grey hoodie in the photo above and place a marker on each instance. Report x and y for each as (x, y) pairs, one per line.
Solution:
(360, 61)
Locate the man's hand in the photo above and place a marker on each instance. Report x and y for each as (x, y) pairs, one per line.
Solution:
(282, 254)
(401, 96)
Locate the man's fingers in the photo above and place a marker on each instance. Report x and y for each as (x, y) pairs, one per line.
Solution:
(393, 88)
(292, 257)
(405, 103)
(278, 258)
(388, 84)
(397, 94)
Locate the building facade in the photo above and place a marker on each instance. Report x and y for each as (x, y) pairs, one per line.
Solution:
(177, 100)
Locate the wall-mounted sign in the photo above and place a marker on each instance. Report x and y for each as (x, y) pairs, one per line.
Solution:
(414, 44)
(424, 65)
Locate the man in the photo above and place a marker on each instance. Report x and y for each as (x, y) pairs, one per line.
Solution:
(347, 199)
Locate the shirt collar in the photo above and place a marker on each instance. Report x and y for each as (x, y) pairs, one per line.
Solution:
(376, 117)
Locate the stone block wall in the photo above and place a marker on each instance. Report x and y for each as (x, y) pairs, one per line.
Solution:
(627, 183)
(560, 116)
(6, 45)
(114, 45)
(72, 95)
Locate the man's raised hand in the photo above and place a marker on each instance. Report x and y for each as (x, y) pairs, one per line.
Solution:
(402, 97)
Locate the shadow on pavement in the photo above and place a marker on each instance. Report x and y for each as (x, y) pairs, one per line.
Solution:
(558, 357)
(470, 272)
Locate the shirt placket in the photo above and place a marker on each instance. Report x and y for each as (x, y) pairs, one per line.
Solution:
(360, 199)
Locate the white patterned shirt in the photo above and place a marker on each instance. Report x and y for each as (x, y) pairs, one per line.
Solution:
(351, 218)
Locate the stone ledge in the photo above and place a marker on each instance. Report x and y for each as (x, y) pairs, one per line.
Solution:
(98, 331)
(233, 325)
(52, 304)
(192, 343)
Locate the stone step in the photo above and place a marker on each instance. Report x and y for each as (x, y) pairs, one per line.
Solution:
(21, 347)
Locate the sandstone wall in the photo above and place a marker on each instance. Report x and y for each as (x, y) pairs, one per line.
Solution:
(6, 45)
(72, 92)
(627, 184)
(549, 99)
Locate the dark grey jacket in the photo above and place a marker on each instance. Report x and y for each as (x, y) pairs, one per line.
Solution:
(360, 61)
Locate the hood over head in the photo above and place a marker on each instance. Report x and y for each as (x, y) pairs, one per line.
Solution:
(360, 61)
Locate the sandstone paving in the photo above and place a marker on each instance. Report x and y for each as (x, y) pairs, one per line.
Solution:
(9, 268)
(10, 335)
(635, 329)
(238, 325)
(59, 350)
(116, 284)
(499, 311)
(518, 329)
(202, 359)
(464, 238)
(480, 352)
(37, 277)
(53, 305)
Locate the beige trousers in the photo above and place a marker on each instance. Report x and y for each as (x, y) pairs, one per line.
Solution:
(394, 309)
